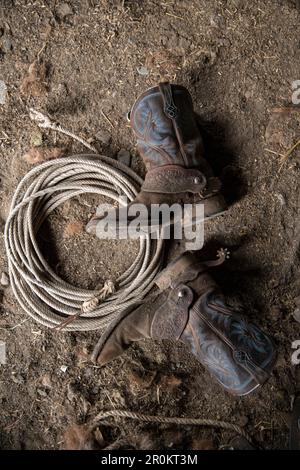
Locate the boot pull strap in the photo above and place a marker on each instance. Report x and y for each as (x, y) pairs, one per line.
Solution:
(170, 109)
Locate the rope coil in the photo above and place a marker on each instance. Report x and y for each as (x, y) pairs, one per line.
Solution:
(41, 293)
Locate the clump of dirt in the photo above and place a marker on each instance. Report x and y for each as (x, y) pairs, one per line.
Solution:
(91, 60)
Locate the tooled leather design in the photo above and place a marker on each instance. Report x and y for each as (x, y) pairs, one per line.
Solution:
(157, 134)
(171, 317)
(216, 357)
(174, 179)
(170, 108)
(238, 354)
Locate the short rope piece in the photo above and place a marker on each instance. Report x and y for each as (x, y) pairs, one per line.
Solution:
(42, 294)
(171, 420)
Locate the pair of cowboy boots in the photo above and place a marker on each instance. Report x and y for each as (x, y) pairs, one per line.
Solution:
(189, 306)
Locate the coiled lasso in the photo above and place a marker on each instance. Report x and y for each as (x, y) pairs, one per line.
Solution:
(42, 294)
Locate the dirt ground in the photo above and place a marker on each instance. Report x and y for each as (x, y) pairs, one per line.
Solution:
(238, 60)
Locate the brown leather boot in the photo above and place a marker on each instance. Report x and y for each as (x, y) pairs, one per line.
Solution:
(190, 308)
(170, 144)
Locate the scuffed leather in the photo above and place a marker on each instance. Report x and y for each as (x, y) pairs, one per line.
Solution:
(191, 309)
(170, 144)
(238, 354)
(164, 124)
(155, 131)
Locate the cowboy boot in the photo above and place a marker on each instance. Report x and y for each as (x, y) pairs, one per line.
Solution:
(191, 308)
(170, 144)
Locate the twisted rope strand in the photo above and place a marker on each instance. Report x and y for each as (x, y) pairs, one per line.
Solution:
(171, 420)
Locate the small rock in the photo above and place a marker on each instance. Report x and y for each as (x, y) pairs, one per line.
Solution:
(36, 139)
(64, 368)
(124, 157)
(4, 280)
(3, 92)
(280, 198)
(46, 381)
(143, 71)
(103, 136)
(42, 393)
(63, 11)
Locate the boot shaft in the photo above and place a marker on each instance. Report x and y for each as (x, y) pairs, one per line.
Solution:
(169, 141)
(163, 121)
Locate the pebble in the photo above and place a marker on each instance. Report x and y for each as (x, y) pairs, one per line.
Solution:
(42, 393)
(46, 381)
(280, 198)
(64, 368)
(103, 136)
(36, 139)
(3, 92)
(124, 157)
(4, 280)
(143, 71)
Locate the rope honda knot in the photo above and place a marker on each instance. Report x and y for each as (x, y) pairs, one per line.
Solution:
(90, 305)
